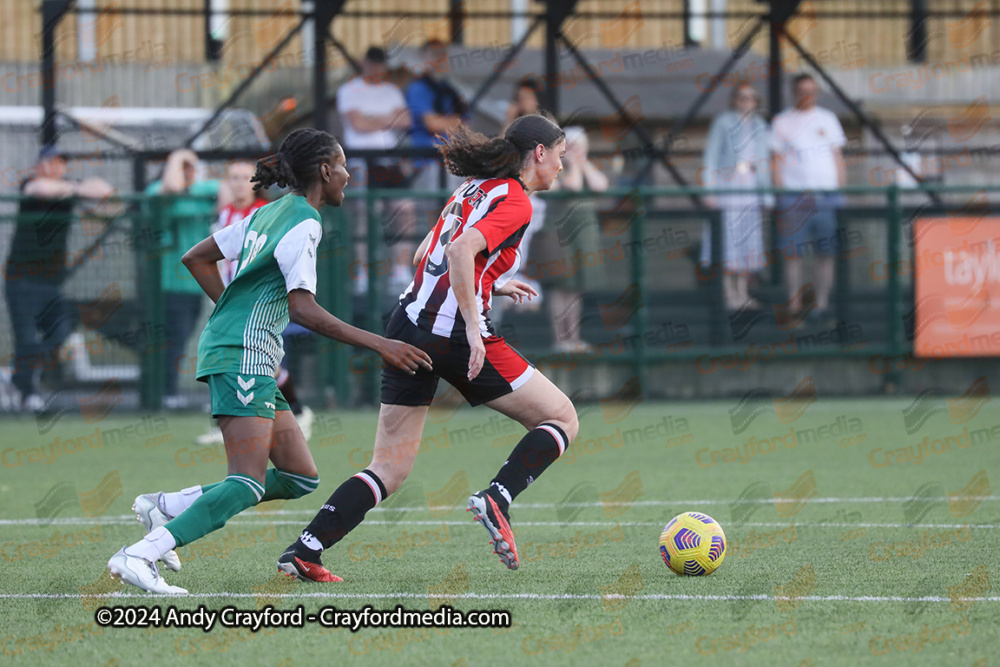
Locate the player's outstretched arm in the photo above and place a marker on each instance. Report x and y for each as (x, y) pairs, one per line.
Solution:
(304, 311)
(202, 261)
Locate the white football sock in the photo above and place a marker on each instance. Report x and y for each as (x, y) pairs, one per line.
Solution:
(156, 543)
(173, 504)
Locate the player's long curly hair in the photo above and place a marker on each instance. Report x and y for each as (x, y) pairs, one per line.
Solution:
(296, 164)
(470, 154)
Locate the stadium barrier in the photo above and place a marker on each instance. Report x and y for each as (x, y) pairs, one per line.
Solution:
(626, 262)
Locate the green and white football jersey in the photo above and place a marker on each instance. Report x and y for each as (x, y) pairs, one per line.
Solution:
(276, 249)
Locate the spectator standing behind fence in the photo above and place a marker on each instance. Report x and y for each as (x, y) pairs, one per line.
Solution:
(436, 108)
(737, 157)
(525, 100)
(577, 228)
(525, 103)
(186, 218)
(375, 115)
(40, 317)
(807, 142)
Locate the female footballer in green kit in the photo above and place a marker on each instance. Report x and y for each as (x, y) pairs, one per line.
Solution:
(241, 348)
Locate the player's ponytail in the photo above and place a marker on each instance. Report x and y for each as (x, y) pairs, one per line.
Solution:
(274, 170)
(296, 164)
(470, 154)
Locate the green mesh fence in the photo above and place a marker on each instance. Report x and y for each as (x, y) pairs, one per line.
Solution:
(623, 267)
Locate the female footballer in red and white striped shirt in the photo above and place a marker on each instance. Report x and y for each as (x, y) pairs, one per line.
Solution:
(470, 255)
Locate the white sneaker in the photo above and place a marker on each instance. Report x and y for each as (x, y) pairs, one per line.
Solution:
(175, 402)
(147, 511)
(305, 421)
(213, 436)
(140, 572)
(33, 403)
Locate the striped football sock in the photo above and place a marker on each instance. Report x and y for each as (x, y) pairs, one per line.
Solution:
(214, 507)
(531, 456)
(342, 513)
(279, 484)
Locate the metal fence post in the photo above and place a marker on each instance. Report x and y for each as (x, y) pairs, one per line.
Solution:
(717, 285)
(639, 280)
(336, 297)
(373, 318)
(894, 218)
(150, 222)
(344, 291)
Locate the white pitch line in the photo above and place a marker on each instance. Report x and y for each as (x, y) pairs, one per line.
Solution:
(126, 520)
(497, 596)
(612, 524)
(748, 501)
(667, 503)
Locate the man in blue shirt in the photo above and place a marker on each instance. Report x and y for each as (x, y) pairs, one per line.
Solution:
(435, 108)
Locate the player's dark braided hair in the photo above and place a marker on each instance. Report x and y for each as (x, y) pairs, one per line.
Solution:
(296, 164)
(471, 154)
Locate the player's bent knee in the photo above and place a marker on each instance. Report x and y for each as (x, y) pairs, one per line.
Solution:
(571, 425)
(392, 476)
(393, 481)
(566, 418)
(568, 422)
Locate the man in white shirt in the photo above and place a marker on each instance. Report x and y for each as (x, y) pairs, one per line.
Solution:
(807, 158)
(372, 108)
(375, 116)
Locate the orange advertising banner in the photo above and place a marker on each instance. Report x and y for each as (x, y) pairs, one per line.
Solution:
(958, 289)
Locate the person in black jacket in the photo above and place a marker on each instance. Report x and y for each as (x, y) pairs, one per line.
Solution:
(37, 266)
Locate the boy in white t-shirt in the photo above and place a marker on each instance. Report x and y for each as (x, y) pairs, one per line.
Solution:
(807, 158)
(376, 116)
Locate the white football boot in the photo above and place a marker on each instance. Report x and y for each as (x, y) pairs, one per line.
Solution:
(140, 572)
(147, 511)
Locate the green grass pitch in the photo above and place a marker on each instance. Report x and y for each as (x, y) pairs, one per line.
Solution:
(850, 541)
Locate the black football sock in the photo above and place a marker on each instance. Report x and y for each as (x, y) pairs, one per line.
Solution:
(342, 513)
(531, 456)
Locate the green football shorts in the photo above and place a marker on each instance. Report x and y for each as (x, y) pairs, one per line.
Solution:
(236, 395)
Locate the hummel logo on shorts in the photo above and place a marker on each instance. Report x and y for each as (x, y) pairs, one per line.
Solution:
(244, 385)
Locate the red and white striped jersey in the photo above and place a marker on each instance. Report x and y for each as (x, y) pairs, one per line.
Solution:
(230, 214)
(499, 208)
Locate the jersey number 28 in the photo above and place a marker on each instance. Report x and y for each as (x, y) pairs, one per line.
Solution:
(255, 243)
